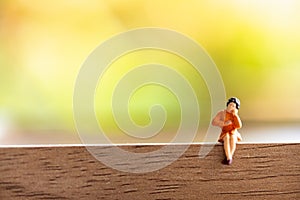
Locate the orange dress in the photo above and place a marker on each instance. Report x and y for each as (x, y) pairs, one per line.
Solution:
(232, 128)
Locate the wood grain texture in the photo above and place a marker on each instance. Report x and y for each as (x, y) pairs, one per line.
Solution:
(259, 171)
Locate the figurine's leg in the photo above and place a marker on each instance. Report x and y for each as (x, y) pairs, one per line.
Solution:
(233, 140)
(227, 147)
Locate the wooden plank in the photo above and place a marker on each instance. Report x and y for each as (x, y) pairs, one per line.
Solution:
(259, 171)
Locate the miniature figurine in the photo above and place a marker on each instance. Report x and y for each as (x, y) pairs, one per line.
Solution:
(229, 121)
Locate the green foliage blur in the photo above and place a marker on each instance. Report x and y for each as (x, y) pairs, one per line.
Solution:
(255, 45)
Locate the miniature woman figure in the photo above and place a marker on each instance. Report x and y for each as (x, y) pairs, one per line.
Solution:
(229, 121)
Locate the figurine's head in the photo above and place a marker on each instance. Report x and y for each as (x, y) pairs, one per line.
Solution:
(234, 100)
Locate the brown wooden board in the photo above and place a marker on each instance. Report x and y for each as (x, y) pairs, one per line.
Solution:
(259, 171)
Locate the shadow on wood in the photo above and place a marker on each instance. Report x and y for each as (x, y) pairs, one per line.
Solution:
(259, 171)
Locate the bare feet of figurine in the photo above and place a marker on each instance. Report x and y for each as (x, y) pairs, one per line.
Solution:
(227, 162)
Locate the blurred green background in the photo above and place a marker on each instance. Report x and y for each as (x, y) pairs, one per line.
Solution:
(255, 44)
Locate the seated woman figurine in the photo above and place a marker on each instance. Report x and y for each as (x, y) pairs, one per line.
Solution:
(229, 121)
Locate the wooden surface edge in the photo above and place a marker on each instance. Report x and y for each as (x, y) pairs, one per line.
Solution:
(259, 171)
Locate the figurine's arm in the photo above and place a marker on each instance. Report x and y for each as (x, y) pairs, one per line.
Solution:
(218, 121)
(237, 121)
